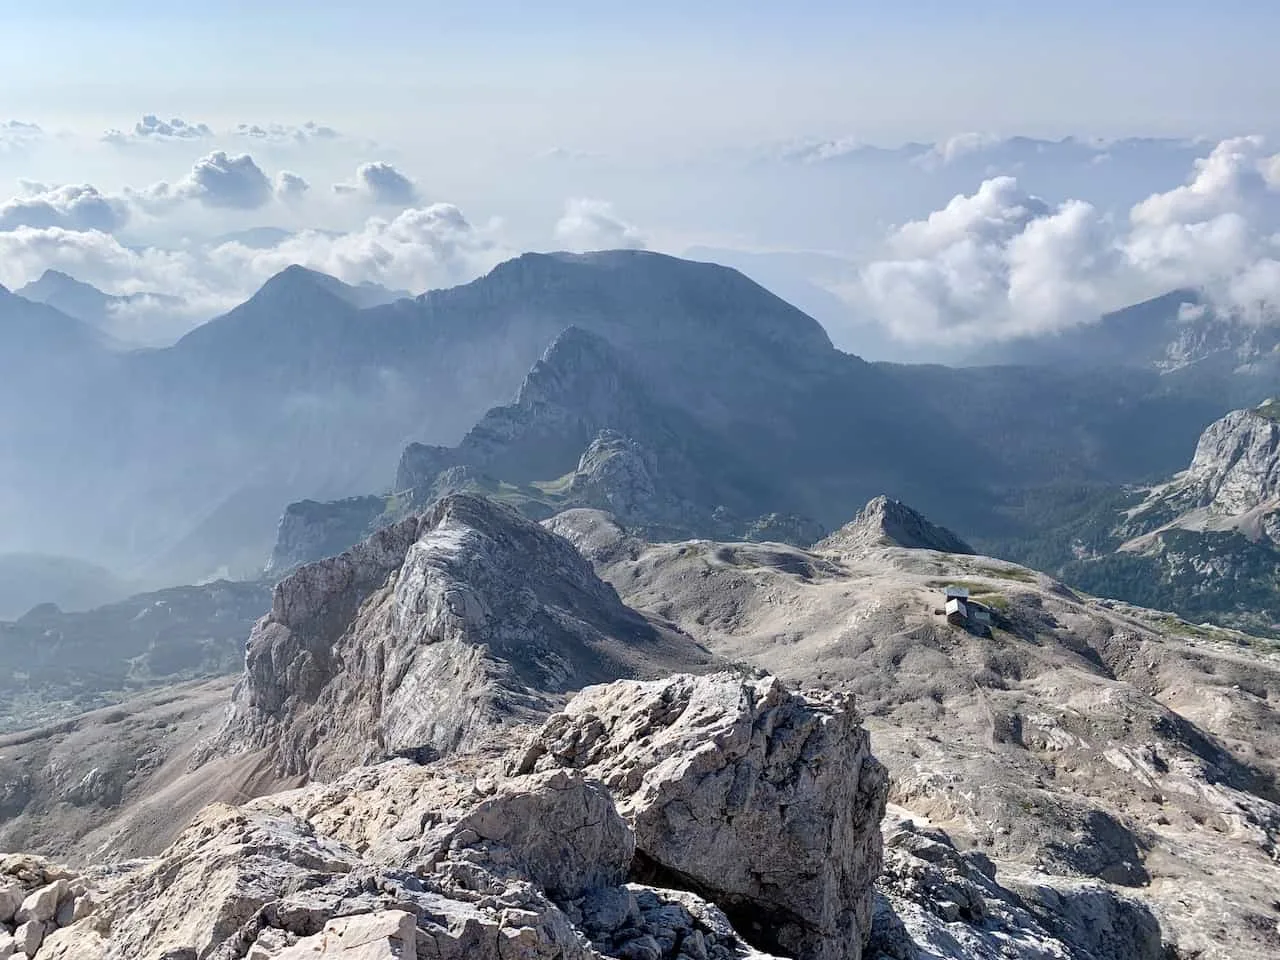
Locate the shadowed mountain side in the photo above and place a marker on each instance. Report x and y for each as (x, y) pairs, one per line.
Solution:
(469, 598)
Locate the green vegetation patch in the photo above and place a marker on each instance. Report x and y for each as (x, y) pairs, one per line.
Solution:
(1269, 408)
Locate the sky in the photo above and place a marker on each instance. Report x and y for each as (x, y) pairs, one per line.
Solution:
(742, 129)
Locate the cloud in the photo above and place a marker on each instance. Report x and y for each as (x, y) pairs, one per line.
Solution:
(418, 249)
(290, 186)
(287, 133)
(1001, 263)
(72, 207)
(380, 183)
(218, 180)
(16, 135)
(998, 263)
(593, 225)
(151, 127)
(1216, 231)
(954, 148)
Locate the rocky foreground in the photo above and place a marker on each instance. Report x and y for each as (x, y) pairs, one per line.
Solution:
(410, 765)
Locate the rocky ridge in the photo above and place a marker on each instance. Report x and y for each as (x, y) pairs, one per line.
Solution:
(1089, 750)
(891, 523)
(429, 636)
(527, 853)
(1075, 783)
(1207, 542)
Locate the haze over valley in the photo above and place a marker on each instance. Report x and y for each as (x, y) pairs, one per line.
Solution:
(647, 484)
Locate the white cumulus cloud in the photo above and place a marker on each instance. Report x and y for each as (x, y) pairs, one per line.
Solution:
(593, 225)
(287, 133)
(71, 206)
(381, 183)
(419, 248)
(1001, 263)
(290, 186)
(152, 127)
(218, 180)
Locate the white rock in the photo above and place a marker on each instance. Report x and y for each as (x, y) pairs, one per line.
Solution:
(385, 935)
(29, 936)
(11, 898)
(7, 946)
(767, 799)
(42, 905)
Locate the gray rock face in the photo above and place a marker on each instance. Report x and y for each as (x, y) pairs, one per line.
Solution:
(616, 474)
(452, 860)
(309, 530)
(1236, 466)
(890, 523)
(951, 904)
(764, 801)
(430, 635)
(37, 898)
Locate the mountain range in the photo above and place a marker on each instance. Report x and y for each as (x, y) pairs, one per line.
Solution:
(596, 626)
(175, 464)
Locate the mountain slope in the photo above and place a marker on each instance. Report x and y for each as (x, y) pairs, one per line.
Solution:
(100, 310)
(1072, 741)
(296, 394)
(469, 594)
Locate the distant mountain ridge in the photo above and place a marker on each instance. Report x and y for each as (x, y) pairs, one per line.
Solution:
(167, 461)
(92, 306)
(1179, 331)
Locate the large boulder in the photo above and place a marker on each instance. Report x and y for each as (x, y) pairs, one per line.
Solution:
(401, 861)
(430, 635)
(764, 801)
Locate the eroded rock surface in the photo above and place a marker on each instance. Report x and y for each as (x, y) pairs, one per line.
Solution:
(890, 523)
(457, 859)
(429, 635)
(765, 801)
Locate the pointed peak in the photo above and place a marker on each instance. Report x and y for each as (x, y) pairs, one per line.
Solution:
(295, 282)
(885, 522)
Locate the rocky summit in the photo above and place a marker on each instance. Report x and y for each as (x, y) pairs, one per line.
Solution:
(585, 842)
(476, 736)
(429, 636)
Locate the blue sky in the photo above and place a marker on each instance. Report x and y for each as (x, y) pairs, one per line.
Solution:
(659, 72)
(724, 127)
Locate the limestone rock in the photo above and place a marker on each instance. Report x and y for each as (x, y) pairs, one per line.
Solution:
(764, 801)
(384, 935)
(1237, 463)
(885, 522)
(951, 904)
(309, 530)
(28, 937)
(554, 829)
(617, 474)
(41, 905)
(430, 635)
(11, 897)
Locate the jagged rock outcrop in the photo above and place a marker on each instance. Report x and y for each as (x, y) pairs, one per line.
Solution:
(309, 530)
(954, 904)
(430, 635)
(580, 386)
(890, 523)
(1236, 465)
(617, 474)
(765, 801)
(457, 860)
